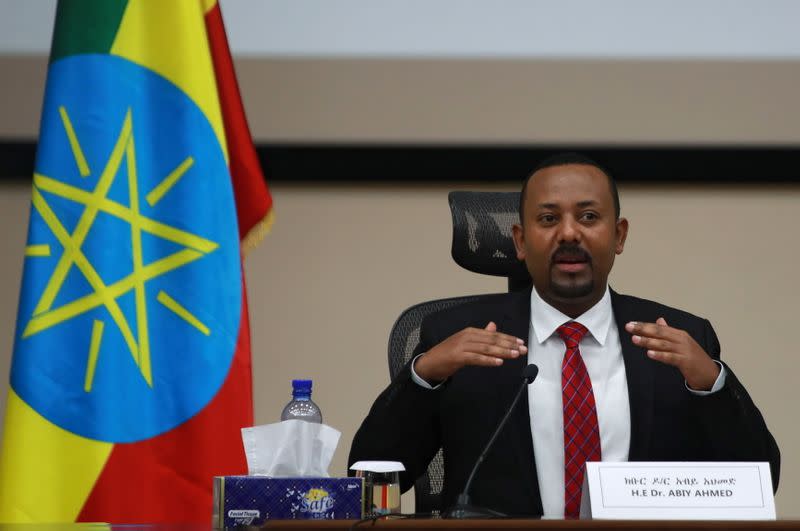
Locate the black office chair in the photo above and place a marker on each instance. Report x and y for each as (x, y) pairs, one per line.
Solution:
(482, 243)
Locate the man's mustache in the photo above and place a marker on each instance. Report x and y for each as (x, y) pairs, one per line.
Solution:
(571, 251)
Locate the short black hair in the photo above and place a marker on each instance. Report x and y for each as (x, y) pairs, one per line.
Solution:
(563, 159)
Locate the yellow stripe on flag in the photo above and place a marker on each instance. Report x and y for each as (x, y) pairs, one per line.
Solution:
(170, 39)
(46, 473)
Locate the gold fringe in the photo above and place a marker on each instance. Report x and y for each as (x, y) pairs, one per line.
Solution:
(257, 233)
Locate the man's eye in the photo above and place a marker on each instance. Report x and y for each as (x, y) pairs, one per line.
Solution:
(547, 218)
(589, 216)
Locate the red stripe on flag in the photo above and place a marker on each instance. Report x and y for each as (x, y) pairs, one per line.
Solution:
(168, 479)
(253, 200)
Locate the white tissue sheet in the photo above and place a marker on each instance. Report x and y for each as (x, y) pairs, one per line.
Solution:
(291, 448)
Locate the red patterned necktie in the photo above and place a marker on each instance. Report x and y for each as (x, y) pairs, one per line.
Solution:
(581, 432)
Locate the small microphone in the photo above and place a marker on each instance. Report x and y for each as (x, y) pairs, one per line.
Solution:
(463, 508)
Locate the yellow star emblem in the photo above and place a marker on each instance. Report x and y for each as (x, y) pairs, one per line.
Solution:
(96, 202)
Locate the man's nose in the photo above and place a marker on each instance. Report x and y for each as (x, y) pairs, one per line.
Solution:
(569, 230)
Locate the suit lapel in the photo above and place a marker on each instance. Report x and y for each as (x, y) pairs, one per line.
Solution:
(639, 374)
(516, 322)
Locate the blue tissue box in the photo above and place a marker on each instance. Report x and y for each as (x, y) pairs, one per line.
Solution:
(252, 500)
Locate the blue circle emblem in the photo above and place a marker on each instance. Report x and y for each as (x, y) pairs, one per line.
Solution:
(131, 296)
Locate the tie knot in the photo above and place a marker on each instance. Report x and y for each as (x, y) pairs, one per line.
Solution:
(572, 332)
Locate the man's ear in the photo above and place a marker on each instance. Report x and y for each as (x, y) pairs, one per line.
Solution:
(519, 240)
(622, 234)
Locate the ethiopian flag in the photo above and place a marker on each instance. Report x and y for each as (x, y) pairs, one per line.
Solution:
(131, 378)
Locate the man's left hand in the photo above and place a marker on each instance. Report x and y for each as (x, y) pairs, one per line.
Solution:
(677, 348)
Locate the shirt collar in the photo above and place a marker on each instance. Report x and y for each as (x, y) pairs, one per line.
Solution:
(545, 319)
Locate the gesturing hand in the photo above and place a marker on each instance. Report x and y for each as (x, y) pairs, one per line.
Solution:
(677, 348)
(471, 346)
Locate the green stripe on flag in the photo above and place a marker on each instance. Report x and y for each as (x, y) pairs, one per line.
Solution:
(86, 26)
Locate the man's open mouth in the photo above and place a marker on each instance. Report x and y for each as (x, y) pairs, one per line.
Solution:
(571, 261)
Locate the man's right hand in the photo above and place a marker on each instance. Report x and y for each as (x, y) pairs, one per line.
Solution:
(472, 346)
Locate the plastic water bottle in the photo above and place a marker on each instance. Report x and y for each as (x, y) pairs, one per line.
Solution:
(302, 407)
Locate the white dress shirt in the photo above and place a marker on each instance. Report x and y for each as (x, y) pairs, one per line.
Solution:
(602, 354)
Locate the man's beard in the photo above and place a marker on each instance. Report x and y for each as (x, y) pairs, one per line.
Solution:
(572, 290)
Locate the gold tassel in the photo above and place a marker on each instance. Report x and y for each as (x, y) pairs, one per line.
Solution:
(257, 233)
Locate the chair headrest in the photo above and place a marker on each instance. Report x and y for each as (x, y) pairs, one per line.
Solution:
(482, 239)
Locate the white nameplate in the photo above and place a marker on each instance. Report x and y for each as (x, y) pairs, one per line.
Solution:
(678, 491)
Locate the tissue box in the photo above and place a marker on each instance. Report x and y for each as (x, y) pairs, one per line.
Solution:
(252, 500)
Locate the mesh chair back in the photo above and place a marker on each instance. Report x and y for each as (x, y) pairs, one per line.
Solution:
(482, 243)
(482, 239)
(403, 339)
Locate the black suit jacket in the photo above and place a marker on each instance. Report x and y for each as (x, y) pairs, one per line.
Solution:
(409, 423)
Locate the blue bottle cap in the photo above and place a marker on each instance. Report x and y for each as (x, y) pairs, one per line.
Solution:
(301, 385)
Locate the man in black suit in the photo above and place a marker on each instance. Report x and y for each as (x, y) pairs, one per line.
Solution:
(650, 386)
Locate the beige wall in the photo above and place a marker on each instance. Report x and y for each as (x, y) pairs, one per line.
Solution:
(489, 101)
(341, 263)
